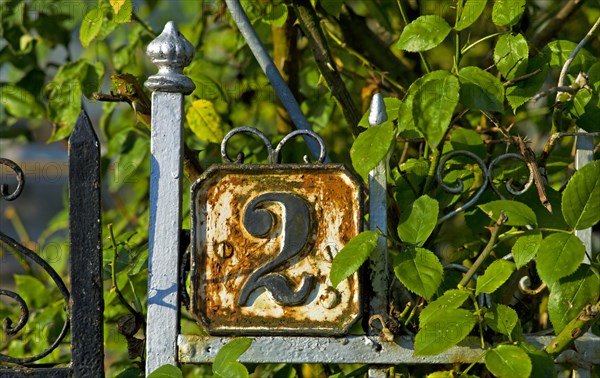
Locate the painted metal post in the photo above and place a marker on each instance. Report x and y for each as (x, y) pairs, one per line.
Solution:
(171, 52)
(378, 262)
(87, 300)
(584, 154)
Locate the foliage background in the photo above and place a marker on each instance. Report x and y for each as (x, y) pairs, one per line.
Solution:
(56, 54)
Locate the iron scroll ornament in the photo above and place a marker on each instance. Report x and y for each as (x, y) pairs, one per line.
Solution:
(7, 323)
(274, 154)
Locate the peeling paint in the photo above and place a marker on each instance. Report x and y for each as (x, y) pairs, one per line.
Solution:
(225, 254)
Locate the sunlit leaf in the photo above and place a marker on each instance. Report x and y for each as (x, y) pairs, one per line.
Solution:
(226, 365)
(443, 330)
(371, 147)
(424, 33)
(510, 55)
(480, 89)
(166, 371)
(451, 299)
(494, 276)
(501, 319)
(471, 11)
(581, 198)
(508, 361)
(559, 255)
(571, 294)
(352, 256)
(526, 248)
(507, 12)
(518, 213)
(91, 26)
(204, 121)
(418, 221)
(419, 270)
(433, 105)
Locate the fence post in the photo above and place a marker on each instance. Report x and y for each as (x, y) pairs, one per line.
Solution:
(85, 227)
(584, 154)
(378, 262)
(171, 52)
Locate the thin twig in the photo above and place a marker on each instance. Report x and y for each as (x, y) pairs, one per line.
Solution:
(545, 34)
(310, 24)
(486, 251)
(563, 73)
(512, 82)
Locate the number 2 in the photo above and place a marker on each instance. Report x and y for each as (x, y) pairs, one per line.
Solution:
(296, 227)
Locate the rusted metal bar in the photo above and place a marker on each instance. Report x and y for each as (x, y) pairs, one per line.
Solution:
(87, 301)
(171, 52)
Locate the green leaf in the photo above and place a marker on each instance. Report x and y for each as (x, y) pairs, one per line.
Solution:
(122, 9)
(352, 256)
(495, 275)
(466, 139)
(424, 33)
(557, 52)
(581, 198)
(333, 7)
(276, 14)
(406, 123)
(480, 90)
(418, 221)
(166, 371)
(433, 105)
(507, 12)
(508, 361)
(559, 255)
(501, 319)
(19, 102)
(419, 270)
(443, 330)
(541, 361)
(571, 294)
(522, 91)
(91, 26)
(32, 290)
(526, 248)
(64, 94)
(510, 55)
(518, 213)
(204, 121)
(452, 299)
(371, 147)
(226, 365)
(471, 11)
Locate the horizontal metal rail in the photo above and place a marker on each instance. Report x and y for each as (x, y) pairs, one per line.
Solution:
(357, 349)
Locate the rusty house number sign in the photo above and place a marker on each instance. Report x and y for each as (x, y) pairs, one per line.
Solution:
(263, 240)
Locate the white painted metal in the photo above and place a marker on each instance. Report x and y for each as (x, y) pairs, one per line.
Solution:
(170, 52)
(584, 154)
(358, 349)
(378, 263)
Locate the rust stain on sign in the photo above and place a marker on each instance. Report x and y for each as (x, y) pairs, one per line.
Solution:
(263, 241)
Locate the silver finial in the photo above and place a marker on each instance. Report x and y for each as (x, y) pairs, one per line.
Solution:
(377, 113)
(170, 52)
